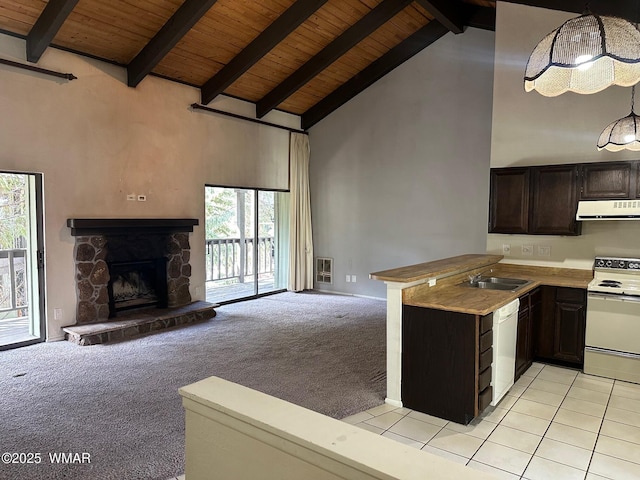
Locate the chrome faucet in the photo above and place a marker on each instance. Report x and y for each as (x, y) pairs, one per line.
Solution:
(474, 278)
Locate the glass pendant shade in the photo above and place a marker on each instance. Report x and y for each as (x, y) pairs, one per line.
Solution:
(585, 55)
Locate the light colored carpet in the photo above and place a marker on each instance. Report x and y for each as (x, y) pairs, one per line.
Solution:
(119, 402)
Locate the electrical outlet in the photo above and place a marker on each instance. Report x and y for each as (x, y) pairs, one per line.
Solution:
(432, 282)
(506, 249)
(142, 198)
(527, 249)
(131, 197)
(353, 278)
(348, 278)
(544, 250)
(57, 314)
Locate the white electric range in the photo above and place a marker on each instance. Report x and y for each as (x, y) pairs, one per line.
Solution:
(613, 319)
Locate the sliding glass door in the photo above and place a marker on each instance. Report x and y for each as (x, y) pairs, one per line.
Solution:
(246, 242)
(21, 260)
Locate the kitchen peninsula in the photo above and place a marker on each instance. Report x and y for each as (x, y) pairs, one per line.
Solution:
(436, 289)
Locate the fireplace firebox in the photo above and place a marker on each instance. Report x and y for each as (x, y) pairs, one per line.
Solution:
(137, 284)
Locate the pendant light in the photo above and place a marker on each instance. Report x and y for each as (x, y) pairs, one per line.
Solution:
(585, 55)
(623, 134)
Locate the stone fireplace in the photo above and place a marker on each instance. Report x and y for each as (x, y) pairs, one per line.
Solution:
(124, 264)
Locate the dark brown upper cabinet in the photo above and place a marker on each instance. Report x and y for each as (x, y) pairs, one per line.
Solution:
(534, 200)
(609, 181)
(554, 200)
(509, 200)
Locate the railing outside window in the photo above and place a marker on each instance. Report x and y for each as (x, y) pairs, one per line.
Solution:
(13, 281)
(230, 258)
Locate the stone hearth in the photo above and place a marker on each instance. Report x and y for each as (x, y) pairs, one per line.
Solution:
(139, 322)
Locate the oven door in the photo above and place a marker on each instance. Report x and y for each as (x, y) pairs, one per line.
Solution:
(613, 322)
(613, 336)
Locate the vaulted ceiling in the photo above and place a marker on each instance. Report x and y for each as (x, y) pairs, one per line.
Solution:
(306, 57)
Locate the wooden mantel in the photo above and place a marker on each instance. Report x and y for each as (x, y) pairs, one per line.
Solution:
(122, 226)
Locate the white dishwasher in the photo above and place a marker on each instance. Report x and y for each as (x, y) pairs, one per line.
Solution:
(505, 330)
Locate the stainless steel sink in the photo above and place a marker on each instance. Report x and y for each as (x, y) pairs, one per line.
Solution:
(510, 281)
(496, 283)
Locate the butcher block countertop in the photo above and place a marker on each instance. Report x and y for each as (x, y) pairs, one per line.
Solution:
(437, 268)
(447, 294)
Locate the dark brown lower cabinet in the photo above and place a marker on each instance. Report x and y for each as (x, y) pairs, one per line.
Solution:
(446, 363)
(528, 315)
(560, 333)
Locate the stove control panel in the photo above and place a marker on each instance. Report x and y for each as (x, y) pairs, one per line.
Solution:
(617, 263)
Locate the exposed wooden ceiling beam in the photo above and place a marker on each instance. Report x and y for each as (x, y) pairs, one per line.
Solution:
(167, 37)
(259, 47)
(481, 17)
(447, 12)
(376, 70)
(338, 47)
(46, 27)
(620, 8)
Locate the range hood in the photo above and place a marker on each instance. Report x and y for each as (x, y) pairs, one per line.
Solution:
(609, 210)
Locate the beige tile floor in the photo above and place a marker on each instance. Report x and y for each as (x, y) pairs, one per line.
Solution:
(555, 424)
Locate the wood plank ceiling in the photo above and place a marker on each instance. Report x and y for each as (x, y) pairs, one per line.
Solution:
(306, 57)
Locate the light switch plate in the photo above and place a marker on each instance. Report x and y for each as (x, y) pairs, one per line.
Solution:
(506, 249)
(527, 249)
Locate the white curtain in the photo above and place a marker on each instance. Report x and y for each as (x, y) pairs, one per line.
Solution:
(301, 241)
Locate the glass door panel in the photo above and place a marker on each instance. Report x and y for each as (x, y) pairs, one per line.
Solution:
(273, 235)
(228, 237)
(247, 227)
(246, 242)
(20, 272)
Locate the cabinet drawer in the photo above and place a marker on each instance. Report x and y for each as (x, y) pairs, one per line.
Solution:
(486, 340)
(484, 379)
(566, 294)
(484, 399)
(486, 358)
(486, 323)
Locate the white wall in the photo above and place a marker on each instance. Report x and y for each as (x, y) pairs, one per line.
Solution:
(399, 175)
(95, 140)
(530, 129)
